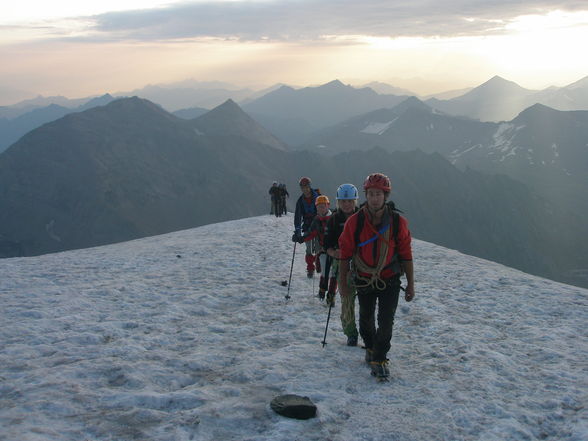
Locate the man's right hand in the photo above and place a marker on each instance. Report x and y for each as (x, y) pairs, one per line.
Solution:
(334, 253)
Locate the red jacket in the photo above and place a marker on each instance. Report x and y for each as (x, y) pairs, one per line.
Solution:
(370, 253)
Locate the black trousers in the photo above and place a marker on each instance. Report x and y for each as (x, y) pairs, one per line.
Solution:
(378, 339)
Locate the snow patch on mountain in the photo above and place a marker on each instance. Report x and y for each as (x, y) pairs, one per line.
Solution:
(378, 128)
(455, 154)
(503, 140)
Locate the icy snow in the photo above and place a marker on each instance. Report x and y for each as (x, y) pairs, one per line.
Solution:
(378, 128)
(188, 336)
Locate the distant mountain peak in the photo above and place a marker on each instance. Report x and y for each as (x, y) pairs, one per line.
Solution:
(230, 105)
(498, 78)
(412, 102)
(230, 119)
(228, 109)
(498, 82)
(582, 83)
(135, 102)
(334, 83)
(284, 87)
(387, 89)
(537, 110)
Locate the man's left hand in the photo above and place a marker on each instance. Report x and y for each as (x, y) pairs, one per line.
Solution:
(409, 293)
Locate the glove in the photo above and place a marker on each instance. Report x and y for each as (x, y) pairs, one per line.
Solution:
(300, 239)
(297, 238)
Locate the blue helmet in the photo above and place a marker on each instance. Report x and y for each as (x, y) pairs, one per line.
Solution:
(346, 192)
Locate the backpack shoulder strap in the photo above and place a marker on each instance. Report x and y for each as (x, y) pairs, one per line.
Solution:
(395, 226)
(359, 225)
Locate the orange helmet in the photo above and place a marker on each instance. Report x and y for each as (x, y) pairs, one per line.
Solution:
(322, 199)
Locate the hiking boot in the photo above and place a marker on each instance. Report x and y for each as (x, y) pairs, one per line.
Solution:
(380, 370)
(369, 356)
(330, 299)
(352, 340)
(321, 294)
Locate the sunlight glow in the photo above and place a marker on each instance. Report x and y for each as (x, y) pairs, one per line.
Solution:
(534, 50)
(27, 11)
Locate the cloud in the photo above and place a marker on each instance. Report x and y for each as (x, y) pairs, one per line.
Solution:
(311, 20)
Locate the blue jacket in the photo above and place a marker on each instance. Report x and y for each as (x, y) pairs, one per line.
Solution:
(305, 212)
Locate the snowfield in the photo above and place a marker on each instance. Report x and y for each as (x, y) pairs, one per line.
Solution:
(188, 336)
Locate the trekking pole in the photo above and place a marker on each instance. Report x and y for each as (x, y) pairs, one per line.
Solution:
(324, 342)
(290, 278)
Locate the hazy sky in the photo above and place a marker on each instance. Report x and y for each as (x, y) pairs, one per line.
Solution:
(82, 48)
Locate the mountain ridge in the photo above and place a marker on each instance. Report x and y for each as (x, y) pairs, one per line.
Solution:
(131, 169)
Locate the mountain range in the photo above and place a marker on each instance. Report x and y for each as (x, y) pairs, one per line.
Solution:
(11, 129)
(295, 114)
(542, 147)
(501, 100)
(130, 169)
(125, 170)
(184, 95)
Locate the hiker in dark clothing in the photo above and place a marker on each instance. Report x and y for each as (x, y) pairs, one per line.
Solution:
(303, 216)
(283, 195)
(377, 242)
(346, 205)
(322, 261)
(275, 195)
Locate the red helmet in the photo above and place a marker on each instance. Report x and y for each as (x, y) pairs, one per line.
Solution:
(377, 180)
(304, 182)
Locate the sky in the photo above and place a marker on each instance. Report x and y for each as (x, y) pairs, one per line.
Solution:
(85, 48)
(188, 336)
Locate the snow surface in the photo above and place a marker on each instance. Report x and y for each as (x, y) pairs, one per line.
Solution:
(188, 336)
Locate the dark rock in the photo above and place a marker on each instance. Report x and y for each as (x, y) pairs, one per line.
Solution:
(294, 406)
